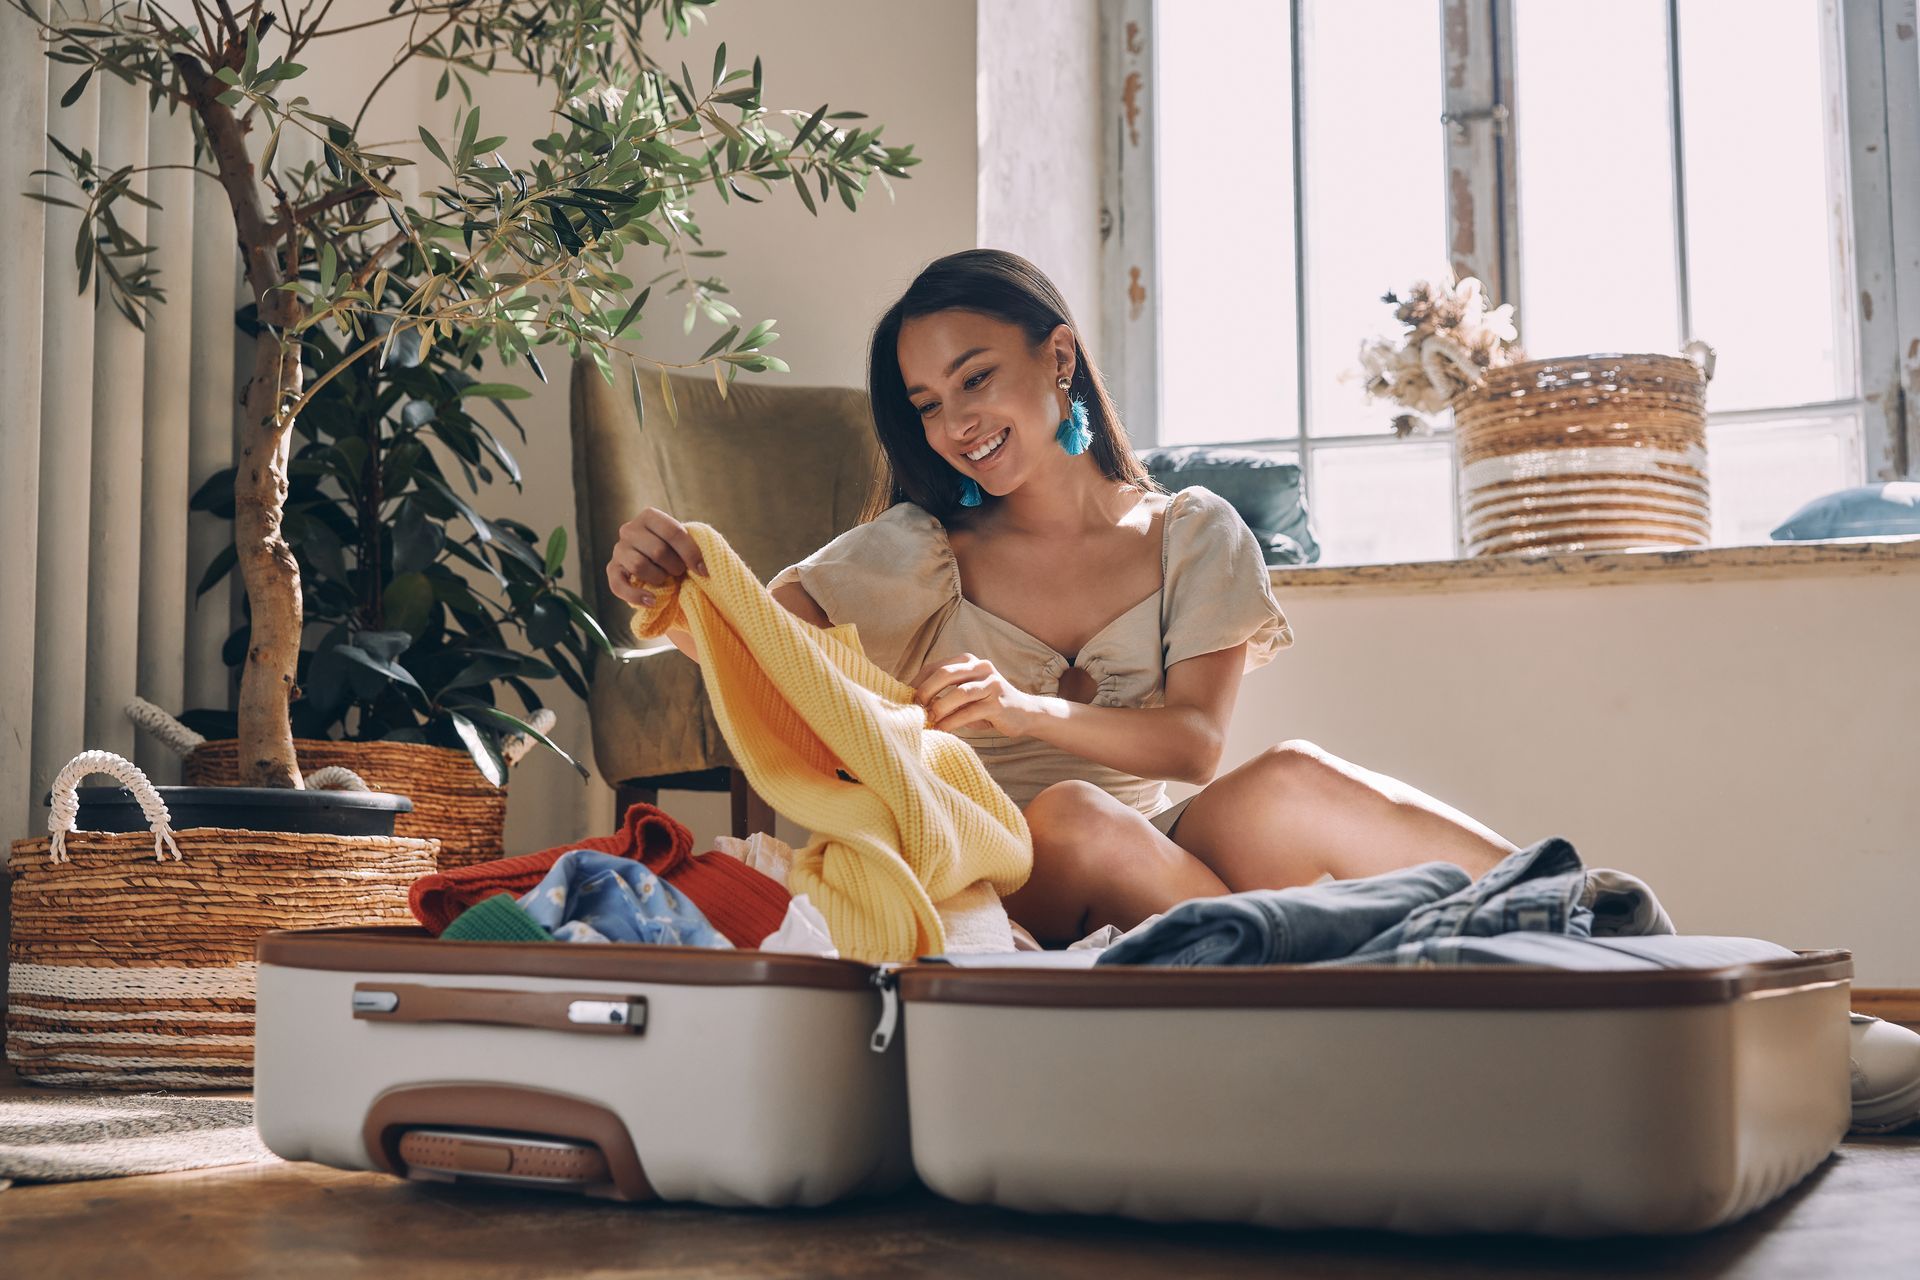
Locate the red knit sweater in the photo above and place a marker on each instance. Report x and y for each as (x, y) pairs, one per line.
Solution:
(741, 903)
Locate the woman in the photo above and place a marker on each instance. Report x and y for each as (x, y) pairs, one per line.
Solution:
(1085, 631)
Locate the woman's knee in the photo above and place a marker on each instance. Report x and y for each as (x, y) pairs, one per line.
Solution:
(1067, 815)
(1299, 768)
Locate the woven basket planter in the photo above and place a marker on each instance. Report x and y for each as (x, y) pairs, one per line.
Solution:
(135, 971)
(1590, 453)
(452, 803)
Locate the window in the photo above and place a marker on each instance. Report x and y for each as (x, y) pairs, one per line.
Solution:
(1630, 173)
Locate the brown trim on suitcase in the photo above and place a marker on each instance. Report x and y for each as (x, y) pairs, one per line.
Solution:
(608, 1014)
(499, 1108)
(411, 950)
(1366, 987)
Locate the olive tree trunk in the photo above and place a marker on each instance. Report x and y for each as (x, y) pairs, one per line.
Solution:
(267, 566)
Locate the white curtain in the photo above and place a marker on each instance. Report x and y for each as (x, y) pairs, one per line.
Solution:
(105, 430)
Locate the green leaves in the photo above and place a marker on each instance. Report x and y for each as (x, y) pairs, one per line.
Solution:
(433, 145)
(496, 391)
(379, 652)
(486, 757)
(407, 602)
(631, 314)
(514, 724)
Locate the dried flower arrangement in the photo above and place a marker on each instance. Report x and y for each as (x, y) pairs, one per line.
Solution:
(1450, 339)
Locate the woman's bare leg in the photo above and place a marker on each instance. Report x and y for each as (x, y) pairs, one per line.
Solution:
(1295, 811)
(1097, 861)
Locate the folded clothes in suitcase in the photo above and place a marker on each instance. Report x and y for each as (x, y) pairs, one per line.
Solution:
(1652, 1084)
(631, 1072)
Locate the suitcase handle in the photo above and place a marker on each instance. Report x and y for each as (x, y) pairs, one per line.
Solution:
(492, 1111)
(583, 1012)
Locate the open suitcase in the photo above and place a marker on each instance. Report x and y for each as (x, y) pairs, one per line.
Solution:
(1675, 1084)
(1639, 1085)
(631, 1072)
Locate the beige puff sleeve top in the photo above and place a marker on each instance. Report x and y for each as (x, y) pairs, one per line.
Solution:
(896, 580)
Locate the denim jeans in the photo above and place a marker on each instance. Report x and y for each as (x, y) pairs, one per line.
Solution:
(1535, 890)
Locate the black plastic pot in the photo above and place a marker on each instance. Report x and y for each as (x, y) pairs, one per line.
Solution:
(331, 813)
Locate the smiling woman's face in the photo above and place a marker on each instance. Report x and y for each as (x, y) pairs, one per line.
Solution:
(977, 384)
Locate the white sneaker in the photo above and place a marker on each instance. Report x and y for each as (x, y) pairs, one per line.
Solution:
(1886, 1075)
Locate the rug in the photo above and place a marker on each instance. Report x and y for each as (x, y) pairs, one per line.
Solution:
(73, 1137)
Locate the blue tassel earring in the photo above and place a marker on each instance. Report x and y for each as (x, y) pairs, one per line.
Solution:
(969, 492)
(1074, 434)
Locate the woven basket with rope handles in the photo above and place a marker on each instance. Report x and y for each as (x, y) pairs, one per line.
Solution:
(452, 802)
(1586, 453)
(132, 955)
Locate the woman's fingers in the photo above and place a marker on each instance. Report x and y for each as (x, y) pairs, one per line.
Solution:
(661, 549)
(943, 672)
(674, 536)
(628, 577)
(959, 705)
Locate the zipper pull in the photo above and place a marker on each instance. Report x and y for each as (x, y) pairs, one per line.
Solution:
(886, 980)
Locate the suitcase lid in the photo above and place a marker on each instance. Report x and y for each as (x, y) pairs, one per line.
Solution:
(1054, 986)
(410, 949)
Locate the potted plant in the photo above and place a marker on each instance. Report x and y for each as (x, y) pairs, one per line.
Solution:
(421, 613)
(502, 255)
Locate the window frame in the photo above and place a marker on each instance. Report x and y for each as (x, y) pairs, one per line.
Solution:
(1872, 52)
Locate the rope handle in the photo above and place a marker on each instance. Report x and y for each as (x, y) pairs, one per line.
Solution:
(165, 728)
(66, 802)
(336, 777)
(519, 744)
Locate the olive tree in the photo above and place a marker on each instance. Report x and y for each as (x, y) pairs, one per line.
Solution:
(501, 253)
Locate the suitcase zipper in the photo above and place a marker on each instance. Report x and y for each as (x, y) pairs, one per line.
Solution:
(886, 979)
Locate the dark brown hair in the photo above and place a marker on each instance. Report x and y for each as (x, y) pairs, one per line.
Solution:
(1006, 287)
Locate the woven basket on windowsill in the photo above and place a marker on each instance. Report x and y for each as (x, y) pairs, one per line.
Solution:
(132, 959)
(1585, 453)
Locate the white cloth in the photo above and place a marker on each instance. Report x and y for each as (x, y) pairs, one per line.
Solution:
(802, 933)
(771, 857)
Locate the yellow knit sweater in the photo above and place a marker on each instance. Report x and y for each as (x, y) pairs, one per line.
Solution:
(925, 830)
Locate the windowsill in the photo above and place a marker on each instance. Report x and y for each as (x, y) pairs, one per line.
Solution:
(1838, 557)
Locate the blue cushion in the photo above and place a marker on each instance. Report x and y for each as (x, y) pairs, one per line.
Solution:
(1871, 510)
(1265, 490)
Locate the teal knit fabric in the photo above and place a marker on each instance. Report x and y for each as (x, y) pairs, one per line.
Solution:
(496, 919)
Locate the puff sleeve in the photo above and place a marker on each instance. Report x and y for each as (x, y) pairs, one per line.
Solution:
(893, 578)
(1217, 594)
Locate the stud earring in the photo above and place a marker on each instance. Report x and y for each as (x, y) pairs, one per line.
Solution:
(969, 492)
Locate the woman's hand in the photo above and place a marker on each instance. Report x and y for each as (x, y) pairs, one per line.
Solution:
(964, 690)
(654, 549)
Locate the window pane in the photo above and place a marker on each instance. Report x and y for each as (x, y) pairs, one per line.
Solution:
(1373, 183)
(1595, 169)
(1226, 225)
(1766, 201)
(1376, 504)
(1762, 472)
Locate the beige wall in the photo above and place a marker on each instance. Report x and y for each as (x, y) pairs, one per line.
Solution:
(1746, 745)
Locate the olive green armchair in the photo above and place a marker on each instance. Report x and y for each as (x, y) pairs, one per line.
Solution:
(778, 470)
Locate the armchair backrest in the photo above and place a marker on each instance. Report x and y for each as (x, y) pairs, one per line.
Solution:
(779, 470)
